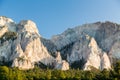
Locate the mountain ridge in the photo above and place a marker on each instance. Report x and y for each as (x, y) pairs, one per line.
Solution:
(93, 44)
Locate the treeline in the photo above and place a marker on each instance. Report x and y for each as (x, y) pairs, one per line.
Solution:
(7, 73)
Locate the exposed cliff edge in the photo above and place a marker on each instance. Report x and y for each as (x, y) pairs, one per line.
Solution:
(23, 48)
(90, 45)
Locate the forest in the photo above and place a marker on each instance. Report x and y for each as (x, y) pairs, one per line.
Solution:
(8, 73)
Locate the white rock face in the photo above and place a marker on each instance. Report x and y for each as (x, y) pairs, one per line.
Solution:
(21, 44)
(28, 26)
(58, 58)
(22, 64)
(5, 21)
(61, 64)
(88, 50)
(99, 53)
(26, 49)
(94, 56)
(105, 62)
(29, 47)
(93, 44)
(74, 34)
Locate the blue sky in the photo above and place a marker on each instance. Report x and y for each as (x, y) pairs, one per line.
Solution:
(54, 16)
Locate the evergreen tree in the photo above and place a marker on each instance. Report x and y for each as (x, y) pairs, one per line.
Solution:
(4, 73)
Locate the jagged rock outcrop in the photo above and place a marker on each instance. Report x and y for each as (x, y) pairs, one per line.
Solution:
(29, 40)
(61, 64)
(87, 49)
(90, 45)
(74, 44)
(93, 55)
(5, 21)
(26, 48)
(105, 62)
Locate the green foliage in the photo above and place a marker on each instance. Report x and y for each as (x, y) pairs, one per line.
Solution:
(58, 74)
(117, 67)
(48, 74)
(51, 74)
(4, 72)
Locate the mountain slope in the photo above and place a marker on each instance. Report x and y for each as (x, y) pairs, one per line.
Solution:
(104, 37)
(90, 45)
(26, 48)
